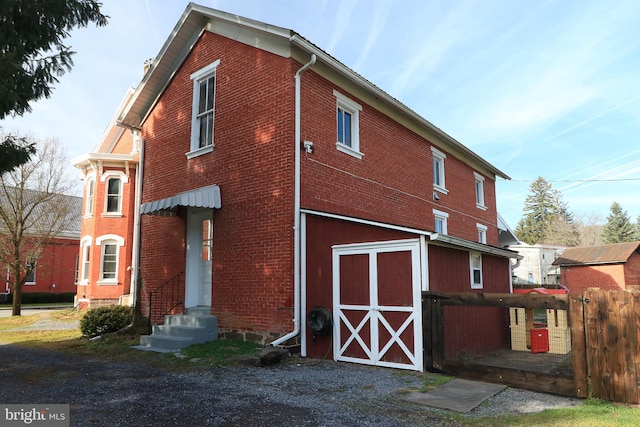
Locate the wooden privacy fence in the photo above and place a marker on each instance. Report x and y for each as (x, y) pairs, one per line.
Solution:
(611, 331)
(508, 339)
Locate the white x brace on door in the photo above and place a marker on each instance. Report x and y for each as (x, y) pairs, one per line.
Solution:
(377, 304)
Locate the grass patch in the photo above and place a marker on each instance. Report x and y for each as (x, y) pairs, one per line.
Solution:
(7, 323)
(592, 413)
(221, 352)
(432, 381)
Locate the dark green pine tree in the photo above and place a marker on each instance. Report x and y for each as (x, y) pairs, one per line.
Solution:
(637, 229)
(539, 209)
(32, 57)
(618, 228)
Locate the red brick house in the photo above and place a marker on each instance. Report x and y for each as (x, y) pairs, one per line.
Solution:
(108, 217)
(281, 189)
(615, 266)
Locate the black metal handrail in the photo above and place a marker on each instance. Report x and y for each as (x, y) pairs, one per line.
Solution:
(166, 298)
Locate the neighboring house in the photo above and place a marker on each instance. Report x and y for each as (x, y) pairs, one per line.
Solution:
(608, 267)
(110, 173)
(278, 183)
(56, 267)
(536, 266)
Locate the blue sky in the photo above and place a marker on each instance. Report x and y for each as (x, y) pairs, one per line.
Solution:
(537, 88)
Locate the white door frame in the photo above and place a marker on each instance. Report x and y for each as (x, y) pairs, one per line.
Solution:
(375, 313)
(194, 294)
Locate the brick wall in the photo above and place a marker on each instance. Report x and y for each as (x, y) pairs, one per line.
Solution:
(252, 162)
(393, 182)
(97, 225)
(580, 278)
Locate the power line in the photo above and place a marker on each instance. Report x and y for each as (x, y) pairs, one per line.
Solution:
(574, 180)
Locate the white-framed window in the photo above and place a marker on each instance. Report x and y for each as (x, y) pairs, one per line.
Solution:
(113, 203)
(85, 251)
(90, 195)
(348, 125)
(114, 181)
(482, 233)
(475, 261)
(203, 110)
(30, 278)
(438, 170)
(76, 275)
(109, 257)
(440, 225)
(479, 184)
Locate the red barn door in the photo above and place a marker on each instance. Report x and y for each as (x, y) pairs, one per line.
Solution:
(376, 294)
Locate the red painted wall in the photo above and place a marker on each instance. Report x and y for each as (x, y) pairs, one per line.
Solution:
(56, 265)
(322, 234)
(449, 271)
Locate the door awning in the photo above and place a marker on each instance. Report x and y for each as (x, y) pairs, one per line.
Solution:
(205, 197)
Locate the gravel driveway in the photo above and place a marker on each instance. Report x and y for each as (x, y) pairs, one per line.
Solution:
(304, 392)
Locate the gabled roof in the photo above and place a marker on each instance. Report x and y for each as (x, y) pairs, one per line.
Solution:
(594, 255)
(59, 214)
(281, 41)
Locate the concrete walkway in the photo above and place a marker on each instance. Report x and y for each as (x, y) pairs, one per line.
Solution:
(458, 395)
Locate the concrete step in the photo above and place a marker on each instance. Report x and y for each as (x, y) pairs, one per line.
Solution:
(166, 342)
(201, 311)
(196, 333)
(180, 331)
(210, 323)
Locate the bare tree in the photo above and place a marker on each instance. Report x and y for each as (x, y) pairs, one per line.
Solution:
(34, 210)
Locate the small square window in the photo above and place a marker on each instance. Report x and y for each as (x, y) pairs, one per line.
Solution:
(348, 128)
(482, 233)
(440, 225)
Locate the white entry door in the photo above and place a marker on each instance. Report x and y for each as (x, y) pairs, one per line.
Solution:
(199, 249)
(377, 304)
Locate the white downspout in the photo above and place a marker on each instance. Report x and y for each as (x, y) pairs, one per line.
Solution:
(296, 212)
(135, 247)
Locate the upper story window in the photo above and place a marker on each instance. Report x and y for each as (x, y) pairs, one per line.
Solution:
(482, 233)
(479, 180)
(348, 127)
(438, 170)
(109, 256)
(475, 260)
(203, 110)
(441, 218)
(113, 184)
(90, 195)
(114, 195)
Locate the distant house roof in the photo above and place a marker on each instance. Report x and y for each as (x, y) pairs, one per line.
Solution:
(59, 212)
(593, 255)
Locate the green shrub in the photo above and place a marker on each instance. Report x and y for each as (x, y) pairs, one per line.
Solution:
(102, 320)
